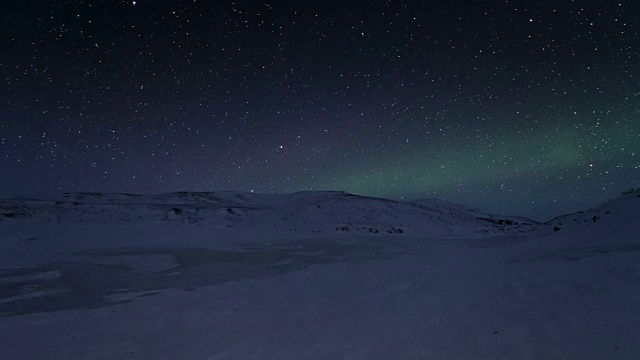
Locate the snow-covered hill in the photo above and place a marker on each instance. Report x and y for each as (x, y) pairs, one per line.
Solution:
(303, 211)
(245, 276)
(618, 212)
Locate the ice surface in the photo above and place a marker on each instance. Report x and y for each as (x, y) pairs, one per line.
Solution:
(244, 276)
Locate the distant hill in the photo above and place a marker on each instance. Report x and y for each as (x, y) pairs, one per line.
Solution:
(317, 212)
(326, 211)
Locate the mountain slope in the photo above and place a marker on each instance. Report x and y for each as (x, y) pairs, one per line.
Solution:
(623, 209)
(302, 211)
(613, 223)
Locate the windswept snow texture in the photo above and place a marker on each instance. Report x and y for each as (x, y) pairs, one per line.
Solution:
(324, 275)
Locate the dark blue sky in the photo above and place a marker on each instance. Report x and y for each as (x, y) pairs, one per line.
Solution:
(520, 107)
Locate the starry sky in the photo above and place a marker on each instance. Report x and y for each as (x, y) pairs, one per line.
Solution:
(522, 107)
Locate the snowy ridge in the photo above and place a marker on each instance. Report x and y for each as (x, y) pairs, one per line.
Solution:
(619, 212)
(303, 211)
(457, 212)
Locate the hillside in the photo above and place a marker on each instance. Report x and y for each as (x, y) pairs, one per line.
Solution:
(304, 211)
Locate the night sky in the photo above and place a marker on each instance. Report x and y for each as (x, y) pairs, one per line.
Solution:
(522, 107)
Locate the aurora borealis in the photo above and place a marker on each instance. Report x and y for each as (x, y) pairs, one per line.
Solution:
(516, 107)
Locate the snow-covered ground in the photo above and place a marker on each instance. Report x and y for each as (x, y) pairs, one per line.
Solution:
(323, 275)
